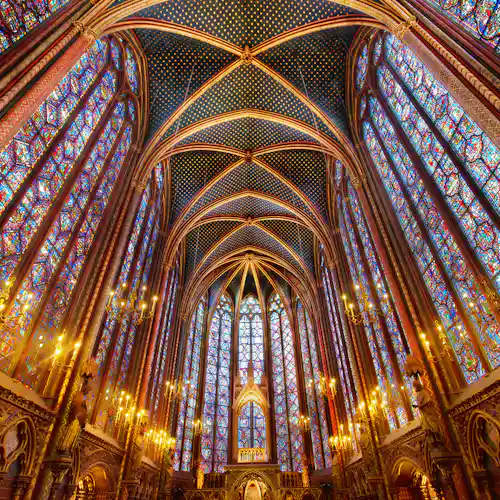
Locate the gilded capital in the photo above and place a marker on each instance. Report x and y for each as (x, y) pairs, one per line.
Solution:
(402, 28)
(85, 30)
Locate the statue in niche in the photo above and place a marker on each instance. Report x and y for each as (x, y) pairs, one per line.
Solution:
(77, 418)
(366, 448)
(306, 483)
(137, 451)
(200, 477)
(431, 421)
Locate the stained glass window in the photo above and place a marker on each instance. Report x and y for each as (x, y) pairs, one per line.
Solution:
(478, 17)
(361, 68)
(162, 353)
(250, 339)
(132, 70)
(252, 427)
(216, 403)
(190, 378)
(432, 160)
(312, 380)
(343, 355)
(19, 18)
(286, 397)
(72, 150)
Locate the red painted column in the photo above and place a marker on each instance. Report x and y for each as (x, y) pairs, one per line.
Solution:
(19, 114)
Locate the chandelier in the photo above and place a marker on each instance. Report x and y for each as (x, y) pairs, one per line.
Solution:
(120, 306)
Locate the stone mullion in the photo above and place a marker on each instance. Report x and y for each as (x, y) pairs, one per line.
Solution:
(200, 399)
(294, 325)
(450, 221)
(17, 361)
(27, 182)
(347, 369)
(456, 299)
(214, 426)
(268, 356)
(131, 326)
(359, 342)
(382, 320)
(482, 53)
(184, 326)
(313, 385)
(163, 398)
(159, 349)
(427, 178)
(329, 363)
(49, 29)
(146, 333)
(355, 300)
(287, 408)
(117, 324)
(172, 369)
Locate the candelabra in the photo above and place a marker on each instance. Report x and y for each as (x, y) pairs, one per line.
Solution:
(121, 306)
(367, 310)
(341, 441)
(122, 408)
(160, 439)
(13, 321)
(325, 387)
(376, 408)
(305, 423)
(197, 427)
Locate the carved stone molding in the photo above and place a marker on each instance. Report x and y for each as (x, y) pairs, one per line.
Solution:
(402, 28)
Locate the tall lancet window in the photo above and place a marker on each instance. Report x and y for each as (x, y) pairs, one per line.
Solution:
(252, 427)
(383, 330)
(441, 174)
(478, 17)
(286, 396)
(312, 379)
(250, 339)
(345, 362)
(17, 18)
(119, 332)
(214, 443)
(190, 383)
(57, 177)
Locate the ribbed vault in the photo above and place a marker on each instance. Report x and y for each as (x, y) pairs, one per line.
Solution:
(248, 113)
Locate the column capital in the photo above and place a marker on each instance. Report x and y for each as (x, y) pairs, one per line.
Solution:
(85, 30)
(402, 28)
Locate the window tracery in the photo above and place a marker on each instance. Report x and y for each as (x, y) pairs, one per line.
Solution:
(190, 383)
(441, 175)
(57, 178)
(19, 18)
(312, 380)
(286, 397)
(216, 405)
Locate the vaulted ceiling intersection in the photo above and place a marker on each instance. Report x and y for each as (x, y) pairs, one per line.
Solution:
(247, 105)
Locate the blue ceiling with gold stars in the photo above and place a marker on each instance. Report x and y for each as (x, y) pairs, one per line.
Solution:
(211, 64)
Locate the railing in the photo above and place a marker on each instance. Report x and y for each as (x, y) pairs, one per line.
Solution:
(246, 455)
